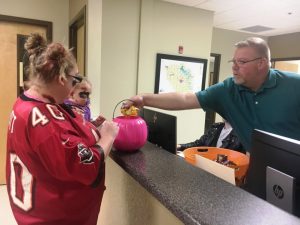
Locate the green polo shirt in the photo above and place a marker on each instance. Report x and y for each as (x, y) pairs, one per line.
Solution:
(274, 108)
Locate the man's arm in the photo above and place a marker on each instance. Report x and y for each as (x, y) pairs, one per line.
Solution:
(168, 101)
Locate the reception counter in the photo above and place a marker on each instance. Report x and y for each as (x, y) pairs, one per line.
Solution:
(188, 195)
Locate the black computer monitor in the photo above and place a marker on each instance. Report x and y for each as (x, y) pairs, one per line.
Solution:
(162, 129)
(274, 170)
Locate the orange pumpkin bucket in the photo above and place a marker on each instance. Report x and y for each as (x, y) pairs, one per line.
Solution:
(234, 159)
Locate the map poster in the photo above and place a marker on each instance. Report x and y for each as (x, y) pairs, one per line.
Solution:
(179, 74)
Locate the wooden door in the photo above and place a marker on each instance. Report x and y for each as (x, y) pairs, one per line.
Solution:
(8, 74)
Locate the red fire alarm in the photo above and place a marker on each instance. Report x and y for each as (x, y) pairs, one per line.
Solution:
(180, 49)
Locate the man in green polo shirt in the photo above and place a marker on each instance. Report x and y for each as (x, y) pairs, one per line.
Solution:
(256, 97)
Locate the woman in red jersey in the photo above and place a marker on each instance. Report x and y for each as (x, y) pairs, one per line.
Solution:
(55, 161)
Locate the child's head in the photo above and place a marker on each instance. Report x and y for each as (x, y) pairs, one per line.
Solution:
(81, 92)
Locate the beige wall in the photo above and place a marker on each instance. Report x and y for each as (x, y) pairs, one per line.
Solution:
(165, 26)
(120, 40)
(285, 46)
(133, 32)
(56, 11)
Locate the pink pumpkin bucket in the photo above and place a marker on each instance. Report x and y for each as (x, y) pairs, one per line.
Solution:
(132, 134)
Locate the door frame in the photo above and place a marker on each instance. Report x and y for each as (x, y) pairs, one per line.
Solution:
(210, 116)
(48, 25)
(78, 21)
(274, 60)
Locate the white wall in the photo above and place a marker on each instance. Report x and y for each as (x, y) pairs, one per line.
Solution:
(56, 11)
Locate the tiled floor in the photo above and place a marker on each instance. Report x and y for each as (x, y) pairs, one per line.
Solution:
(6, 215)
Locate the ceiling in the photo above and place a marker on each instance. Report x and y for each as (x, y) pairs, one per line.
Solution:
(261, 17)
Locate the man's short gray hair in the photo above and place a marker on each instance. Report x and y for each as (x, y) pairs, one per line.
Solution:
(259, 44)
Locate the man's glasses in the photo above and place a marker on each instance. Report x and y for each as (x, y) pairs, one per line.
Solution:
(84, 95)
(76, 79)
(241, 62)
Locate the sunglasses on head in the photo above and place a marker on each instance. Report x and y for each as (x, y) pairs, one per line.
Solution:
(76, 79)
(84, 94)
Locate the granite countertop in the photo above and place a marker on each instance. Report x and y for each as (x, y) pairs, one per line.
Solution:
(193, 195)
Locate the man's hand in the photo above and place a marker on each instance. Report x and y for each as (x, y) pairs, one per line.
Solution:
(136, 101)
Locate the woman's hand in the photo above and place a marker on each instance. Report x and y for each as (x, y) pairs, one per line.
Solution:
(108, 131)
(98, 121)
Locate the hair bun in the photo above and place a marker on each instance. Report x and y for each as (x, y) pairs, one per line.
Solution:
(35, 44)
(56, 52)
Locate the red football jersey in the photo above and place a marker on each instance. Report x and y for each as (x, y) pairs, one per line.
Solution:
(54, 169)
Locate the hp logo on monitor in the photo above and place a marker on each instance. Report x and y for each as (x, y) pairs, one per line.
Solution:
(278, 191)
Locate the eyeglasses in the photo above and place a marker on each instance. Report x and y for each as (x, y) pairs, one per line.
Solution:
(76, 79)
(84, 95)
(241, 62)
